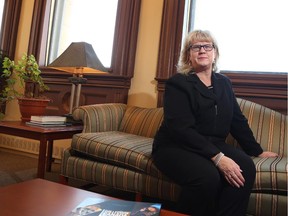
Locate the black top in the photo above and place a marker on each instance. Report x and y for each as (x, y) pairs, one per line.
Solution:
(195, 116)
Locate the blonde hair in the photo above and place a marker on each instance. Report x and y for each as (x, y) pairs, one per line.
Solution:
(183, 65)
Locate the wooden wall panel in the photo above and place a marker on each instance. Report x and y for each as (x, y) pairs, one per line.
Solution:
(269, 90)
(98, 89)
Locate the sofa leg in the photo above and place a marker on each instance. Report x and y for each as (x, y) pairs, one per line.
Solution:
(138, 197)
(63, 180)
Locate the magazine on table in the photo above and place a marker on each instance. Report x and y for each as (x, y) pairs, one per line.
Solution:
(115, 207)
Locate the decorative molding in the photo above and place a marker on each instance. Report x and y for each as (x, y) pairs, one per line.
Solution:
(30, 146)
(273, 85)
(268, 89)
(39, 30)
(125, 37)
(170, 40)
(9, 27)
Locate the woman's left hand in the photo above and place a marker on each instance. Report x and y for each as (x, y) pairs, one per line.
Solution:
(268, 154)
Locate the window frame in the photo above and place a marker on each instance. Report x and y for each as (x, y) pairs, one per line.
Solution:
(125, 36)
(110, 87)
(269, 89)
(9, 27)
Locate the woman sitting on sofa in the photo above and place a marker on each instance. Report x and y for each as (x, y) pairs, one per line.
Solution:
(200, 110)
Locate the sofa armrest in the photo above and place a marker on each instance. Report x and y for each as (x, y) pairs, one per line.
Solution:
(100, 117)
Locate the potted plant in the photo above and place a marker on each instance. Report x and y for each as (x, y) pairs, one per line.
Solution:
(31, 101)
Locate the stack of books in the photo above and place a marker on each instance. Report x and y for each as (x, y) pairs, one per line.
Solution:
(48, 121)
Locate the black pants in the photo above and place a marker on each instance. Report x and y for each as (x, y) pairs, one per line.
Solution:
(204, 189)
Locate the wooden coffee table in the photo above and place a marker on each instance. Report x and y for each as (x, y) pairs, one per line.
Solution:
(44, 135)
(45, 198)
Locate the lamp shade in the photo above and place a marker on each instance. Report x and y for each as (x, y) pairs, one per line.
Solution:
(79, 58)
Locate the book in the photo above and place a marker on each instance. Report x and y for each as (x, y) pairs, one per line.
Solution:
(115, 207)
(45, 124)
(48, 122)
(48, 118)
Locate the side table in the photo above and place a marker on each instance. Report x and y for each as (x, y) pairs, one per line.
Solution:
(46, 136)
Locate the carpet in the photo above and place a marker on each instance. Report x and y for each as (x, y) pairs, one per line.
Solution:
(16, 168)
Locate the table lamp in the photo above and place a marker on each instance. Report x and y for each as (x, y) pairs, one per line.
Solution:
(78, 59)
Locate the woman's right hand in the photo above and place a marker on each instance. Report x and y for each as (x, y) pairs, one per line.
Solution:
(231, 171)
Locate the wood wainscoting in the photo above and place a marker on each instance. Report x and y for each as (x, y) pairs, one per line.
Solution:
(98, 89)
(267, 89)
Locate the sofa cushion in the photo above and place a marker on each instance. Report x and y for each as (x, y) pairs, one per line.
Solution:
(118, 177)
(271, 175)
(118, 148)
(141, 121)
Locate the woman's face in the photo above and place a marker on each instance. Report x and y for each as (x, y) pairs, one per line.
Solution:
(202, 55)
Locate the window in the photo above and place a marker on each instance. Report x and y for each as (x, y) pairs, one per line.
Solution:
(268, 89)
(251, 34)
(74, 21)
(124, 38)
(10, 11)
(1, 11)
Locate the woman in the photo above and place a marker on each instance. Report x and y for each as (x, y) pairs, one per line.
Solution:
(200, 110)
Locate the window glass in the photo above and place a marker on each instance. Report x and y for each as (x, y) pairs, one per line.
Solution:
(252, 34)
(1, 11)
(91, 21)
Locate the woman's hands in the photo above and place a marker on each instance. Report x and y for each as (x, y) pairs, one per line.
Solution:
(231, 172)
(268, 154)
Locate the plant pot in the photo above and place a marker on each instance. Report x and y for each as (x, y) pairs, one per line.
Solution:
(32, 106)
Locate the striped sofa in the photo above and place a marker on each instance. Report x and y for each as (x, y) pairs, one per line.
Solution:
(115, 146)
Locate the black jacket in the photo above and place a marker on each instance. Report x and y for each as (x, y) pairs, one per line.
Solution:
(196, 117)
